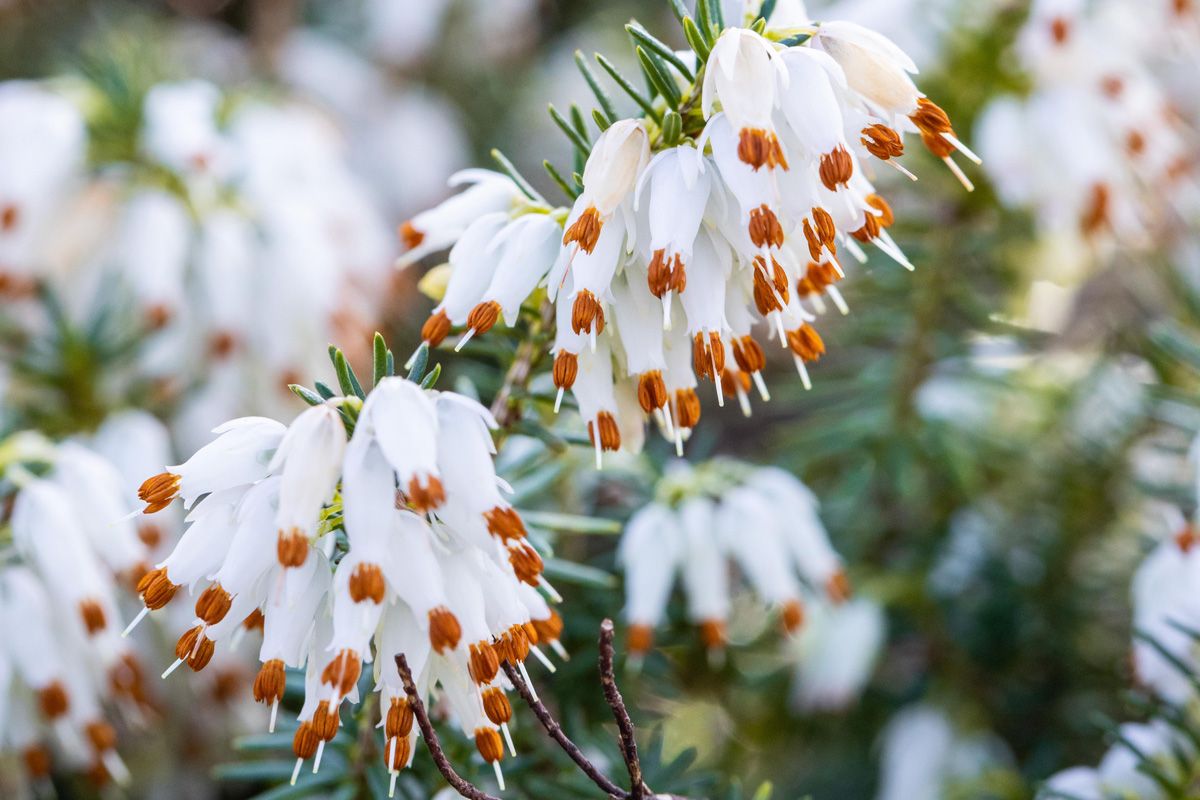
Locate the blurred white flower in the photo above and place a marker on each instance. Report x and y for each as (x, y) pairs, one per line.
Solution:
(836, 652)
(70, 669)
(43, 145)
(924, 755)
(763, 520)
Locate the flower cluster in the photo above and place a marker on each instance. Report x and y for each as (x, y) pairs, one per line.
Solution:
(371, 526)
(730, 205)
(66, 673)
(1098, 150)
(763, 520)
(1148, 757)
(233, 225)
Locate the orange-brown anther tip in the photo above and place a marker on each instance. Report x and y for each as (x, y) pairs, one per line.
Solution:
(158, 491)
(639, 639)
(53, 700)
(399, 720)
(398, 748)
(496, 705)
(882, 142)
(549, 629)
(526, 563)
(610, 434)
(325, 720)
(1185, 540)
(270, 682)
(195, 648)
(837, 588)
(836, 168)
(651, 391)
(425, 495)
(792, 616)
(665, 274)
(708, 355)
(444, 630)
(760, 148)
(213, 604)
(304, 743)
(254, 621)
(487, 742)
(342, 673)
(505, 523)
(101, 735)
(566, 369)
(410, 235)
(806, 343)
(436, 328)
(712, 633)
(687, 408)
(585, 230)
(292, 548)
(587, 313)
(36, 759)
(748, 354)
(764, 228)
(886, 217)
(482, 662)
(10, 215)
(367, 583)
(150, 534)
(94, 618)
(483, 316)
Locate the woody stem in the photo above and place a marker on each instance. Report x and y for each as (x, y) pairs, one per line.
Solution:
(556, 733)
(608, 681)
(463, 787)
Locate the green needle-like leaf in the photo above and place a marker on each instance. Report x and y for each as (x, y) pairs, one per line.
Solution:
(420, 363)
(581, 144)
(593, 82)
(517, 178)
(380, 359)
(568, 190)
(643, 37)
(699, 44)
(660, 79)
(307, 395)
(628, 88)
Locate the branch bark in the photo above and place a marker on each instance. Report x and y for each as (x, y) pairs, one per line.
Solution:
(459, 784)
(608, 681)
(556, 733)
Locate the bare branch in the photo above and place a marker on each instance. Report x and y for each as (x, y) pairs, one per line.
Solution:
(463, 787)
(556, 733)
(608, 681)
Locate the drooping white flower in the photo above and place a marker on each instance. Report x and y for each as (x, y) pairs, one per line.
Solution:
(723, 512)
(753, 209)
(434, 562)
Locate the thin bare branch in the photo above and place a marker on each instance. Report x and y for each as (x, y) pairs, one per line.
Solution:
(460, 785)
(608, 681)
(556, 733)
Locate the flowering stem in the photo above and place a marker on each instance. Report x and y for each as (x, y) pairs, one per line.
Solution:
(556, 733)
(463, 787)
(612, 695)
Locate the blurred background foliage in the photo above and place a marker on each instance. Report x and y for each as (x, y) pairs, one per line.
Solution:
(983, 478)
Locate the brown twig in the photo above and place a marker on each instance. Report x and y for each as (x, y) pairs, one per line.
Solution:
(556, 733)
(460, 785)
(608, 681)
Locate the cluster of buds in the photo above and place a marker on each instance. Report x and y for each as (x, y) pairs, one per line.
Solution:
(727, 208)
(65, 669)
(721, 513)
(1099, 150)
(373, 525)
(258, 248)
